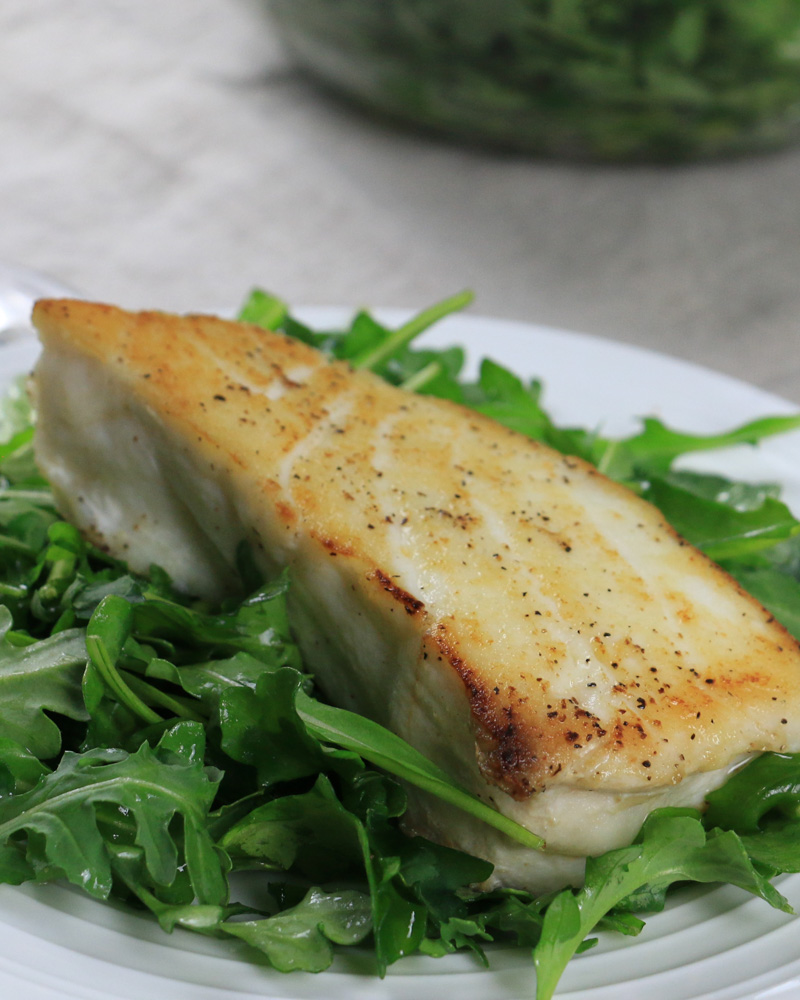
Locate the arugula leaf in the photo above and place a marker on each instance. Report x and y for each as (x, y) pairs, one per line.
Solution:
(672, 846)
(39, 676)
(209, 680)
(61, 560)
(762, 803)
(655, 448)
(301, 937)
(14, 867)
(436, 874)
(311, 833)
(16, 411)
(108, 630)
(768, 784)
(373, 355)
(321, 836)
(501, 395)
(777, 591)
(383, 748)
(129, 868)
(720, 530)
(776, 851)
(17, 462)
(264, 310)
(416, 886)
(258, 625)
(261, 728)
(19, 769)
(151, 786)
(739, 495)
(399, 917)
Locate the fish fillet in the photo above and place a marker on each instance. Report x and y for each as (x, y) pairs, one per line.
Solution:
(532, 627)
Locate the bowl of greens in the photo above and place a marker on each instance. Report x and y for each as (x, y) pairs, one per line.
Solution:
(608, 80)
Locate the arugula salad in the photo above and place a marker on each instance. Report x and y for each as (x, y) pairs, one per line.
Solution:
(153, 746)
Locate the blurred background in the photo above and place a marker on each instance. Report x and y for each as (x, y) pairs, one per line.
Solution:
(173, 155)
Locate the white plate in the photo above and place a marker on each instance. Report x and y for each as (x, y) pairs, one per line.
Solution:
(714, 944)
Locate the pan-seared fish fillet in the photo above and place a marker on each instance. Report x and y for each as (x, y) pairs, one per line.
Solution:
(532, 627)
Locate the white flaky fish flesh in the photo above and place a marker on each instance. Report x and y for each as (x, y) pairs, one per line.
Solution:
(532, 627)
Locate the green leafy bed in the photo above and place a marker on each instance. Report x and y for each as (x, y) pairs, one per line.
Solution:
(152, 746)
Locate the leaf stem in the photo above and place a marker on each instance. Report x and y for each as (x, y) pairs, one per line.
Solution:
(116, 684)
(606, 461)
(7, 541)
(32, 496)
(421, 378)
(404, 334)
(109, 626)
(151, 695)
(385, 749)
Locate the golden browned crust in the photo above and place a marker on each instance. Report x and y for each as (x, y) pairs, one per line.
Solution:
(591, 642)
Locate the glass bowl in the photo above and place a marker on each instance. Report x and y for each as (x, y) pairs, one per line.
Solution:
(616, 80)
